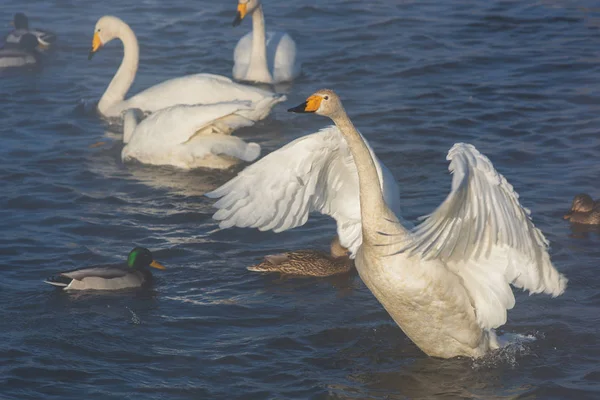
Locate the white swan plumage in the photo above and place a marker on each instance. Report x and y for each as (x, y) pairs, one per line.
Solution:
(259, 56)
(191, 89)
(312, 173)
(447, 282)
(189, 136)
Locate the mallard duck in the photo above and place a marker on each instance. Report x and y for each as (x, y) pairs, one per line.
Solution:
(266, 57)
(584, 210)
(191, 89)
(23, 54)
(308, 262)
(45, 39)
(132, 274)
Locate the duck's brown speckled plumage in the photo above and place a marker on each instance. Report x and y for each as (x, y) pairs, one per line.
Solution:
(308, 262)
(584, 210)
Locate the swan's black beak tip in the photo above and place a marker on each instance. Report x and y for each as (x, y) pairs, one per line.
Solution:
(91, 54)
(299, 108)
(237, 20)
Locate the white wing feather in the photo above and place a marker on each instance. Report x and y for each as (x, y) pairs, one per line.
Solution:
(313, 173)
(482, 233)
(169, 136)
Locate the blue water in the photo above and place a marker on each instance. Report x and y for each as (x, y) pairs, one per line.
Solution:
(518, 79)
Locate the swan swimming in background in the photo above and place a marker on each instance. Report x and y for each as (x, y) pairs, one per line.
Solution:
(191, 89)
(312, 173)
(44, 38)
(185, 136)
(446, 283)
(263, 57)
(22, 54)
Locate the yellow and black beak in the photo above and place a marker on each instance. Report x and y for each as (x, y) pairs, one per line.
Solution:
(157, 265)
(96, 44)
(311, 105)
(242, 10)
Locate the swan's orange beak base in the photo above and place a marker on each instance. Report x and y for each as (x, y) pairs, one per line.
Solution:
(242, 10)
(311, 105)
(96, 44)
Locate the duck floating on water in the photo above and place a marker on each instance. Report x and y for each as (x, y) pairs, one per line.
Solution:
(21, 54)
(309, 262)
(45, 39)
(132, 274)
(584, 210)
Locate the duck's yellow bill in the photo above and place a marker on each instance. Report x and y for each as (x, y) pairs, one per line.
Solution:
(157, 265)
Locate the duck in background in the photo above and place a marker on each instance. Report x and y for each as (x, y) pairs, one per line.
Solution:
(45, 39)
(309, 262)
(132, 274)
(21, 54)
(584, 210)
(265, 57)
(191, 89)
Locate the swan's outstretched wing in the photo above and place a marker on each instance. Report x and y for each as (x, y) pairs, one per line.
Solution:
(482, 232)
(313, 173)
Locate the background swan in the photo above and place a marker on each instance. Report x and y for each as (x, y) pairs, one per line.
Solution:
(191, 89)
(313, 173)
(263, 57)
(189, 137)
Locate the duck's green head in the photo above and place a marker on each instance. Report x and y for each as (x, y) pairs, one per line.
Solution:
(141, 257)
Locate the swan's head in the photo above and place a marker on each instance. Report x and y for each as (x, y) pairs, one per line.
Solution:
(245, 7)
(323, 102)
(107, 28)
(582, 203)
(20, 21)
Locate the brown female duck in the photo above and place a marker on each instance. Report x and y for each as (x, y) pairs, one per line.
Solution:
(584, 210)
(308, 262)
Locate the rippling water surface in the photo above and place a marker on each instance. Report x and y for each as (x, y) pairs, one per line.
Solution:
(518, 79)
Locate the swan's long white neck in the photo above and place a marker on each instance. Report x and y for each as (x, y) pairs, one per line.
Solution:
(258, 69)
(120, 84)
(375, 214)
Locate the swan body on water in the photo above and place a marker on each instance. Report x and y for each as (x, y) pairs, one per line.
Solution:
(263, 56)
(188, 136)
(191, 89)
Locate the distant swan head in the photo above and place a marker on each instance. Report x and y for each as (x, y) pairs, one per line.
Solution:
(107, 28)
(323, 102)
(245, 7)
